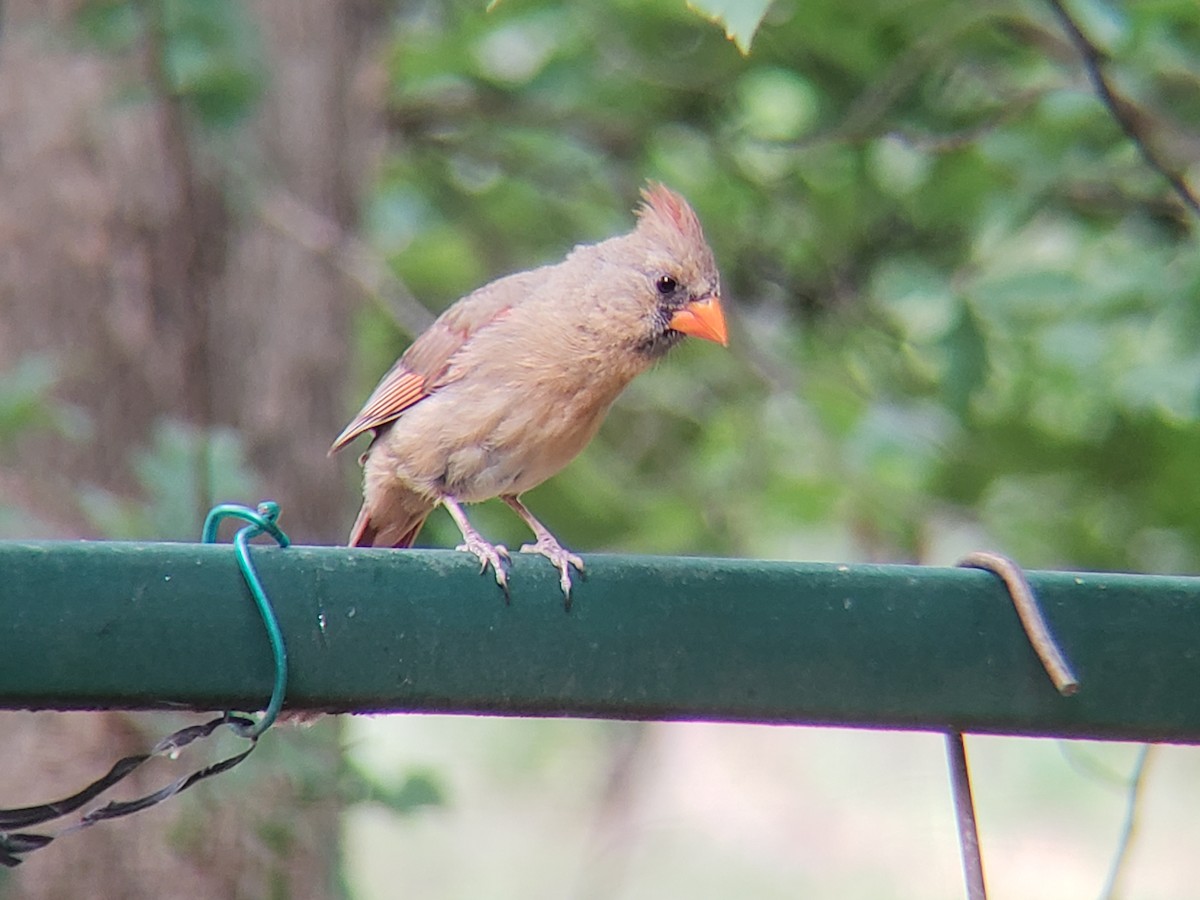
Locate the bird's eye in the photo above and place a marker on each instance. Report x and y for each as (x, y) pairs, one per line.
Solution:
(666, 284)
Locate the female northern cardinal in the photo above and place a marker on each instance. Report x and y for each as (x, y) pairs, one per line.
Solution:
(512, 381)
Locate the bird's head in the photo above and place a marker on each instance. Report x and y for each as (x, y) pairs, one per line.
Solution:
(678, 276)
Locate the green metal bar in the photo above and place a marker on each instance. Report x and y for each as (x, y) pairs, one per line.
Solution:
(122, 625)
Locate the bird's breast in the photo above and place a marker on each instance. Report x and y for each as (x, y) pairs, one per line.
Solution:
(474, 440)
(516, 406)
(541, 431)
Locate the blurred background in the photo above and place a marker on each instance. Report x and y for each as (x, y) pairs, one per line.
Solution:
(966, 314)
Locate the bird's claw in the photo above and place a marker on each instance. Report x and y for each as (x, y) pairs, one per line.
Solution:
(494, 555)
(562, 558)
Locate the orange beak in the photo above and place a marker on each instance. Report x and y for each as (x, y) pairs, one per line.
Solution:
(703, 318)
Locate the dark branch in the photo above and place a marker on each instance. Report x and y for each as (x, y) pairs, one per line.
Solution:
(1123, 112)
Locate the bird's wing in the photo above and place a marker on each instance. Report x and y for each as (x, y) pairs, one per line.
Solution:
(420, 370)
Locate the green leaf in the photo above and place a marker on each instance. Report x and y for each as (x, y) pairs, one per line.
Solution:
(740, 18)
(28, 404)
(420, 788)
(111, 25)
(966, 361)
(776, 104)
(181, 464)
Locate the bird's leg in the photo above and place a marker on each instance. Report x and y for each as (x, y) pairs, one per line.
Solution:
(547, 545)
(494, 555)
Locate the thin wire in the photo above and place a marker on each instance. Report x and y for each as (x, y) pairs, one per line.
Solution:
(1137, 780)
(1030, 614)
(964, 809)
(1088, 766)
(262, 521)
(15, 844)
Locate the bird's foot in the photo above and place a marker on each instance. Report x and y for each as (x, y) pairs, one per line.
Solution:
(494, 555)
(562, 558)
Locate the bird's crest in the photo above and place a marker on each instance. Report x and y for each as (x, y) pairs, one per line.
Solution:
(663, 209)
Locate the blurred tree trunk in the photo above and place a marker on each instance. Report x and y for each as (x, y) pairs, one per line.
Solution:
(145, 271)
(281, 327)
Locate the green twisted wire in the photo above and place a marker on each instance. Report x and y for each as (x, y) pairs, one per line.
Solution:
(262, 521)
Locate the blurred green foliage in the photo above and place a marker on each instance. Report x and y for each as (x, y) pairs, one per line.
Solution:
(26, 404)
(962, 296)
(205, 53)
(28, 409)
(183, 471)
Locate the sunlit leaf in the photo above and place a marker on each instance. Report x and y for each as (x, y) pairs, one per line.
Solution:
(740, 18)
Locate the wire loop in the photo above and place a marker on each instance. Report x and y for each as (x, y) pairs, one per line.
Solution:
(15, 844)
(261, 521)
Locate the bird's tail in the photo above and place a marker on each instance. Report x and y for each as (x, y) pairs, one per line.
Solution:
(399, 531)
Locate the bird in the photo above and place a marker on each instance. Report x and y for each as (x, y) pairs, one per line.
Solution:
(512, 381)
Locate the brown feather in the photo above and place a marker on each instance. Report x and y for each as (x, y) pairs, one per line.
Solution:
(399, 390)
(365, 532)
(418, 372)
(664, 210)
